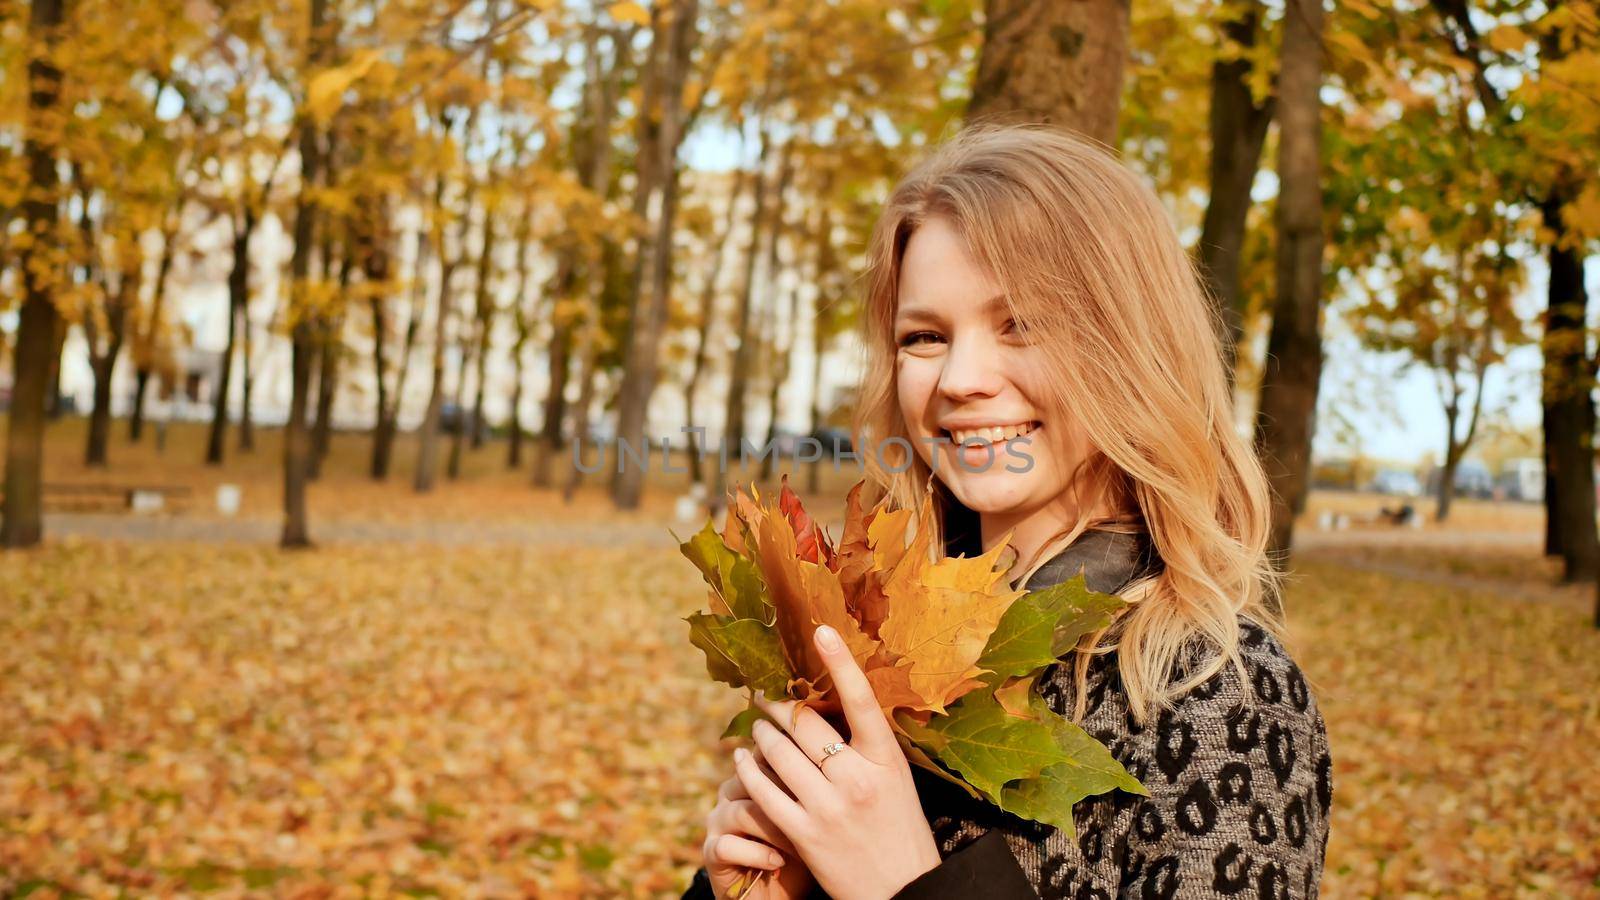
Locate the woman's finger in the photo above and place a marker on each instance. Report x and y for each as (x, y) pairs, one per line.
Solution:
(870, 734)
(798, 772)
(732, 789)
(808, 728)
(779, 806)
(766, 769)
(744, 817)
(729, 850)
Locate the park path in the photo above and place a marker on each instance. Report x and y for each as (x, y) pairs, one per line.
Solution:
(1325, 546)
(442, 532)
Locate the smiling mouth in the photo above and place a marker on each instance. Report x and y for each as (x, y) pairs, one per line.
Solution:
(994, 434)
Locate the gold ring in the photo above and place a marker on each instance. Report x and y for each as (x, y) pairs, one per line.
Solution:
(828, 750)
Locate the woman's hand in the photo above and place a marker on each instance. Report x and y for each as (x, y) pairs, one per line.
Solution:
(853, 816)
(742, 842)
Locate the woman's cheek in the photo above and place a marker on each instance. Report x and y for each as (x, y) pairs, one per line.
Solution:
(914, 380)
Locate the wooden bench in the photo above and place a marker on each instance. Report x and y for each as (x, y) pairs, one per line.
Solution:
(114, 497)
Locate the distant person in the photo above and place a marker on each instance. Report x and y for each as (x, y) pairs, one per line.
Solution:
(1028, 295)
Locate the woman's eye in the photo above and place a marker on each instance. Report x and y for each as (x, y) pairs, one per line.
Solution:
(1013, 327)
(918, 337)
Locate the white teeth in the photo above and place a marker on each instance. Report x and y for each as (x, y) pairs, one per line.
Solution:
(993, 434)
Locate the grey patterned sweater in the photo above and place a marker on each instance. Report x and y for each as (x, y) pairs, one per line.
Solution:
(1239, 775)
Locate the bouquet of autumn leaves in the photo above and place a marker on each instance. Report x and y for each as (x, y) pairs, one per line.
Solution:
(951, 651)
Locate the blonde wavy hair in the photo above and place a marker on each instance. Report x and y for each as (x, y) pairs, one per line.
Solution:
(1092, 266)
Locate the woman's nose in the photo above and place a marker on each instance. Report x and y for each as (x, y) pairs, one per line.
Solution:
(970, 370)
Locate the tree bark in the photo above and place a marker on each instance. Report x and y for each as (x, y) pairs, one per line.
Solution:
(148, 336)
(330, 357)
(1285, 420)
(1238, 130)
(825, 264)
(1059, 63)
(375, 272)
(779, 358)
(733, 421)
(590, 355)
(485, 309)
(708, 314)
(388, 425)
(428, 433)
(555, 401)
(247, 349)
(296, 441)
(238, 302)
(22, 521)
(103, 360)
(649, 314)
(592, 132)
(1569, 381)
(523, 319)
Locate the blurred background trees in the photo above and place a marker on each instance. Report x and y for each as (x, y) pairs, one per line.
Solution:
(438, 221)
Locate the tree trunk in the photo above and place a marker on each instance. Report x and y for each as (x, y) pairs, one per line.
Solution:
(452, 469)
(141, 384)
(649, 314)
(247, 349)
(238, 301)
(821, 277)
(428, 434)
(331, 348)
(559, 362)
(1238, 130)
(55, 405)
(1285, 419)
(593, 132)
(733, 420)
(708, 314)
(524, 320)
(1058, 62)
(485, 308)
(152, 327)
(104, 363)
(1569, 380)
(389, 423)
(331, 354)
(469, 343)
(580, 426)
(296, 442)
(780, 376)
(375, 272)
(779, 360)
(22, 522)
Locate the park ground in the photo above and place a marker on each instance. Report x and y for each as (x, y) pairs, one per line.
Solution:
(486, 691)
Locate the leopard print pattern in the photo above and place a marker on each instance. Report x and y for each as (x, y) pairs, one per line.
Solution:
(1240, 782)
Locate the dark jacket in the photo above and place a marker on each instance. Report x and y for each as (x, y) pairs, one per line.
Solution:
(1240, 781)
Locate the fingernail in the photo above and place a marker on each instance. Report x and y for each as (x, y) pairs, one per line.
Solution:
(828, 638)
(775, 859)
(740, 755)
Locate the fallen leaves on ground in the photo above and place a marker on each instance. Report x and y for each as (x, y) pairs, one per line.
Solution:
(1464, 728)
(351, 722)
(183, 719)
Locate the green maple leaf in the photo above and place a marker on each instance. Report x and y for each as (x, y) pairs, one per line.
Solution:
(740, 725)
(742, 653)
(734, 577)
(1044, 624)
(986, 745)
(1089, 770)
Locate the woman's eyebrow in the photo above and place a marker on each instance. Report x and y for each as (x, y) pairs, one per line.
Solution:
(917, 314)
(913, 312)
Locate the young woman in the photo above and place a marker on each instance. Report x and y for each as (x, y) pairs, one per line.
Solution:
(1028, 291)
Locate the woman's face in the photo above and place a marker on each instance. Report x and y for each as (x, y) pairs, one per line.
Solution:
(965, 372)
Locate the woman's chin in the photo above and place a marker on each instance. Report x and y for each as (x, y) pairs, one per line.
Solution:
(991, 493)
